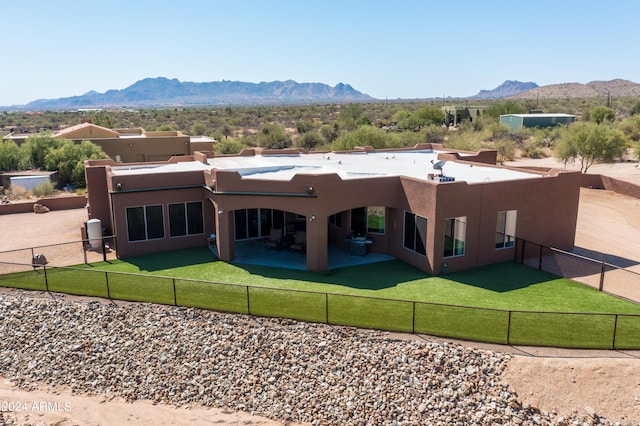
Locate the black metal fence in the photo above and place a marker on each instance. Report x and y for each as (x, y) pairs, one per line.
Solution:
(599, 274)
(576, 330)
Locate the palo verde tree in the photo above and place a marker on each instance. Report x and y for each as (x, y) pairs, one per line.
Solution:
(42, 151)
(590, 143)
(9, 155)
(599, 114)
(424, 116)
(273, 136)
(68, 159)
(364, 136)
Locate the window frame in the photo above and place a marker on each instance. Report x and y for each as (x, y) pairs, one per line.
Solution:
(458, 226)
(411, 229)
(508, 224)
(192, 225)
(148, 221)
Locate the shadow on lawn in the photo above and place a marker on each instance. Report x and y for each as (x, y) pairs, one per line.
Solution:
(373, 276)
(172, 259)
(502, 277)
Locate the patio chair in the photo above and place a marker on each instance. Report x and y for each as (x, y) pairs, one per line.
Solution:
(275, 239)
(300, 242)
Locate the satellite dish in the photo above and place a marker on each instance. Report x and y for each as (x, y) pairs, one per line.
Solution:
(438, 165)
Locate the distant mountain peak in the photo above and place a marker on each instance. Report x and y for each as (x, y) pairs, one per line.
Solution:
(506, 89)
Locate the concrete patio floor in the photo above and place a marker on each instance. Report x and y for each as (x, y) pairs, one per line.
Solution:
(253, 252)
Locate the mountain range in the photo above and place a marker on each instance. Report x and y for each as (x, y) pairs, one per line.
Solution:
(164, 92)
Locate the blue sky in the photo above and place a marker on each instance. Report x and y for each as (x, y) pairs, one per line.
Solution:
(387, 49)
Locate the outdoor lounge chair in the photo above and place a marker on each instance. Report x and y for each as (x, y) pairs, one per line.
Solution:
(300, 242)
(275, 239)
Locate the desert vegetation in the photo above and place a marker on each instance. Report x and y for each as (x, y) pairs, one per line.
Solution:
(607, 130)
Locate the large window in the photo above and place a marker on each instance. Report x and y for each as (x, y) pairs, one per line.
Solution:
(186, 219)
(415, 233)
(367, 219)
(455, 235)
(506, 229)
(256, 223)
(145, 223)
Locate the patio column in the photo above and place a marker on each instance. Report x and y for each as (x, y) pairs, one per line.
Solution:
(317, 240)
(225, 235)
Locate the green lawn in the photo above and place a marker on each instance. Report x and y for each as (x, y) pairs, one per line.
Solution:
(482, 297)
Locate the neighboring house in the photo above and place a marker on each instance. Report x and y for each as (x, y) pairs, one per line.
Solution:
(518, 121)
(462, 215)
(131, 145)
(458, 114)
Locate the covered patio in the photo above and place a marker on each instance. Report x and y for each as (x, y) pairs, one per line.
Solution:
(253, 252)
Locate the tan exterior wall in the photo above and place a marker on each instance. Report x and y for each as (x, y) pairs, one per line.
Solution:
(144, 149)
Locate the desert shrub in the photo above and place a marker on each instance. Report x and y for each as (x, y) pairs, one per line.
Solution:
(19, 191)
(506, 150)
(229, 146)
(309, 140)
(532, 149)
(463, 141)
(43, 189)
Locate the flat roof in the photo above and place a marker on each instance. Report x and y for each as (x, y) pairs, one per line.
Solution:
(555, 114)
(415, 164)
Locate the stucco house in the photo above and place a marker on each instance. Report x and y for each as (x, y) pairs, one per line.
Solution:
(130, 145)
(462, 212)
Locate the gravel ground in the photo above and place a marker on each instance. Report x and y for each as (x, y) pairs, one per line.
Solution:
(280, 369)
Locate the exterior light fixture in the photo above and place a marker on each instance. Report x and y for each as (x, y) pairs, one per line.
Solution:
(221, 210)
(312, 218)
(310, 189)
(119, 186)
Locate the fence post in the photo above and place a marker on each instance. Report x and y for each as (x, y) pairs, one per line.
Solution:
(522, 252)
(602, 271)
(413, 318)
(175, 299)
(326, 307)
(106, 280)
(104, 250)
(46, 279)
(540, 259)
(248, 303)
(509, 329)
(615, 328)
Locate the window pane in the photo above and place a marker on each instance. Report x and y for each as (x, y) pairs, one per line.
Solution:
(421, 235)
(278, 219)
(375, 219)
(177, 220)
(510, 228)
(449, 232)
(155, 222)
(265, 222)
(253, 221)
(135, 224)
(460, 235)
(409, 230)
(240, 217)
(500, 229)
(359, 221)
(195, 221)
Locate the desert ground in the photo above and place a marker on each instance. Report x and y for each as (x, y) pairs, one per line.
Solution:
(555, 380)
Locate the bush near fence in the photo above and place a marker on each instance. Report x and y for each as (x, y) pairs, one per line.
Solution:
(577, 330)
